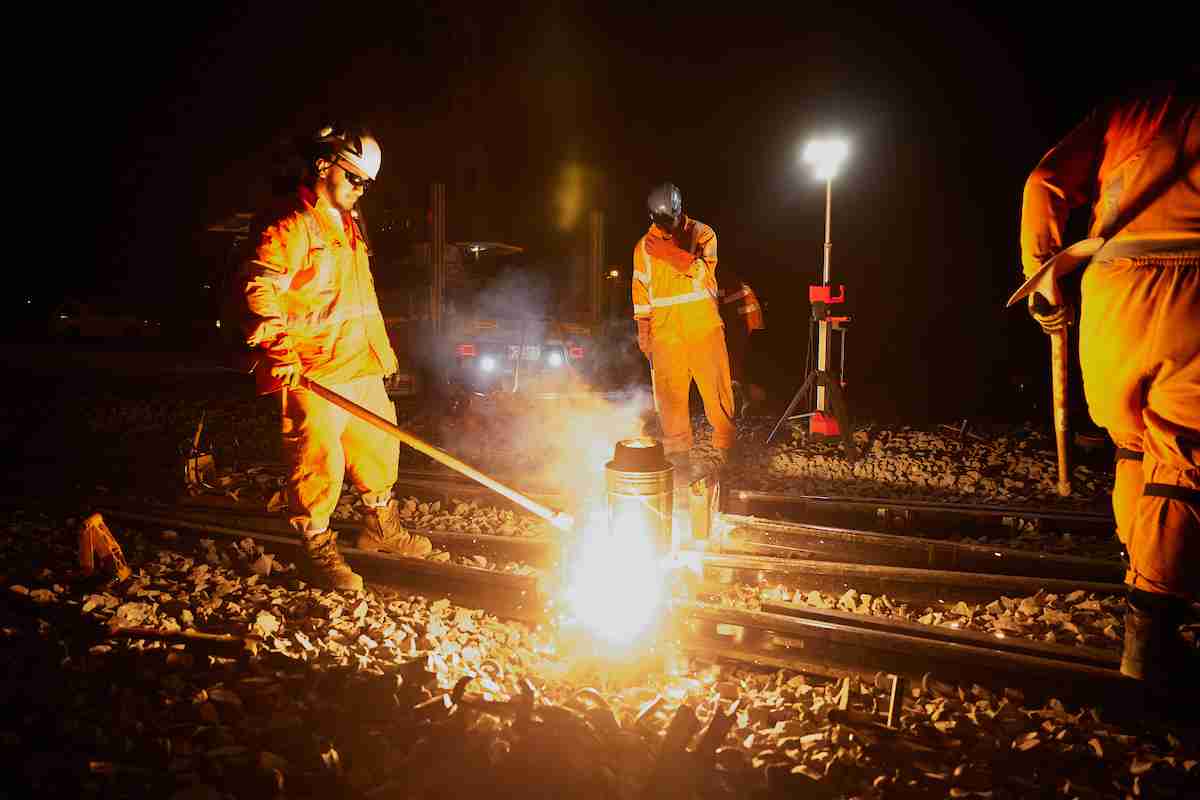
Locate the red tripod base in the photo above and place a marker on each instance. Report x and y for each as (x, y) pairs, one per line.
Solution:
(822, 424)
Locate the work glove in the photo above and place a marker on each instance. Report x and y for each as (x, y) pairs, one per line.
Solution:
(666, 249)
(644, 340)
(1051, 317)
(288, 373)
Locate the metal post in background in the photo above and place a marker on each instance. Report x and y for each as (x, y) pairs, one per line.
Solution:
(823, 338)
(595, 266)
(437, 253)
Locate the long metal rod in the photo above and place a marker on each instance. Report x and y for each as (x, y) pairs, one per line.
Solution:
(907, 644)
(982, 510)
(754, 536)
(559, 519)
(973, 582)
(823, 325)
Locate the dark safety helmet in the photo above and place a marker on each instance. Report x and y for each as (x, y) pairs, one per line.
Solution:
(666, 205)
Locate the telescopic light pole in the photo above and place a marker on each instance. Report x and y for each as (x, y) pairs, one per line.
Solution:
(826, 156)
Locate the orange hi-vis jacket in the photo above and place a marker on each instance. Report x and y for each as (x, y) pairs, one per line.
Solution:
(745, 305)
(1112, 157)
(681, 306)
(310, 296)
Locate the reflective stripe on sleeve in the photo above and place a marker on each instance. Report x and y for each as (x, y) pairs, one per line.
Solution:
(738, 295)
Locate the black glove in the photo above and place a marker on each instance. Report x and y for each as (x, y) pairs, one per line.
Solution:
(1051, 317)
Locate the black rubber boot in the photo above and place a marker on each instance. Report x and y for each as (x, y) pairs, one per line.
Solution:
(1154, 651)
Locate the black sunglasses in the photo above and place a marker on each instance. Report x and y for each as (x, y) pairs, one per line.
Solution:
(356, 181)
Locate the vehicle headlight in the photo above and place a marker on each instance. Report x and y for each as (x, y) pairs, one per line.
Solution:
(487, 363)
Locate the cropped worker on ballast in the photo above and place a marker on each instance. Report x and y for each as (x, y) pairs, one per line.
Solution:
(679, 325)
(312, 311)
(742, 315)
(1135, 159)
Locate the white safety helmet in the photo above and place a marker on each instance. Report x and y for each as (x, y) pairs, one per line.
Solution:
(357, 151)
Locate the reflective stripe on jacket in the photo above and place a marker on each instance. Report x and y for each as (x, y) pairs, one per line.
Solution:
(310, 296)
(746, 306)
(680, 305)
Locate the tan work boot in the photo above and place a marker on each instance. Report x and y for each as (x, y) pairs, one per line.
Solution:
(383, 532)
(326, 567)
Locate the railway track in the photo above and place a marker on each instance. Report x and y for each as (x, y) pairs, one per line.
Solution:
(779, 634)
(878, 514)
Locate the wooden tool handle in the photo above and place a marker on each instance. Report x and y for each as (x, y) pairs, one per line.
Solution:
(559, 519)
(1062, 432)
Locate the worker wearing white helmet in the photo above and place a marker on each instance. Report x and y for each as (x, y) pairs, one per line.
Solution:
(313, 312)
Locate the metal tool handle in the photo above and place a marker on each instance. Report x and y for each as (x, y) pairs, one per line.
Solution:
(1062, 432)
(559, 519)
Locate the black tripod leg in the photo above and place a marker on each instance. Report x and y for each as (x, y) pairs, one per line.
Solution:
(800, 394)
(842, 412)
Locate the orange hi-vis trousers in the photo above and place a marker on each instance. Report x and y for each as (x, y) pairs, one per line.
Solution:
(676, 364)
(321, 442)
(1139, 346)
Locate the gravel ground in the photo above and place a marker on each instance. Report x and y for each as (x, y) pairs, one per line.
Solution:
(1003, 466)
(344, 695)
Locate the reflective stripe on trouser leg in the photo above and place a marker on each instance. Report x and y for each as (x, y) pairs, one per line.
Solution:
(372, 456)
(709, 362)
(1127, 486)
(672, 384)
(1140, 353)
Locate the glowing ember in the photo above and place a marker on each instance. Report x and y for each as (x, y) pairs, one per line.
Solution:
(615, 586)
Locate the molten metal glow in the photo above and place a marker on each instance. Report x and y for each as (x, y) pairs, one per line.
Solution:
(615, 585)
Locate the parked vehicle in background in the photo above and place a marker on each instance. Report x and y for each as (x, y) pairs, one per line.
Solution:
(73, 319)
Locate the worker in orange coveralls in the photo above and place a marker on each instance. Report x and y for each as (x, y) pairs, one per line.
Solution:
(742, 315)
(679, 326)
(312, 311)
(1139, 339)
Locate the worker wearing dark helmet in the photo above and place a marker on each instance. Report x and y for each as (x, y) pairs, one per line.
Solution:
(312, 312)
(679, 324)
(1137, 160)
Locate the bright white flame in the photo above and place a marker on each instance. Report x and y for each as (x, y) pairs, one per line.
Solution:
(616, 585)
(826, 155)
(555, 359)
(487, 363)
(614, 274)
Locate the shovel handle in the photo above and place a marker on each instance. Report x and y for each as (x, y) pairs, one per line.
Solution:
(559, 519)
(1062, 433)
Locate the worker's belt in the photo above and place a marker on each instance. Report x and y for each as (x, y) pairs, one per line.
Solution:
(690, 297)
(1180, 493)
(1124, 454)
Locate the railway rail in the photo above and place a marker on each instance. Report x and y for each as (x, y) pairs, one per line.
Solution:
(780, 634)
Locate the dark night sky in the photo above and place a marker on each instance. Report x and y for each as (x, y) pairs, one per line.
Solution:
(947, 111)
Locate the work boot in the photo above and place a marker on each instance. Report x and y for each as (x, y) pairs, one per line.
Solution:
(326, 567)
(1154, 651)
(384, 533)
